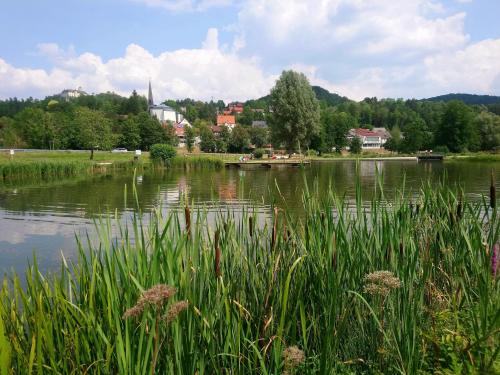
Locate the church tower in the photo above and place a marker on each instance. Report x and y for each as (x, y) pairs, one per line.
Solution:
(150, 95)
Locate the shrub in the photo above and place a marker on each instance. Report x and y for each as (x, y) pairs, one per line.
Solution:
(162, 152)
(441, 150)
(311, 152)
(258, 153)
(356, 146)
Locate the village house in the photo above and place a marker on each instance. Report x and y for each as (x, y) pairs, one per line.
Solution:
(259, 124)
(370, 139)
(234, 108)
(226, 120)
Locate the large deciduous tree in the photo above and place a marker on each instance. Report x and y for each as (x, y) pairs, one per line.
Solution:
(456, 130)
(336, 126)
(295, 111)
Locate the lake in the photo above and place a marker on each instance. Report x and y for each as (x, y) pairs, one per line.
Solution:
(43, 218)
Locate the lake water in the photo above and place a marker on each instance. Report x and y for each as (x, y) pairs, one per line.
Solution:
(43, 218)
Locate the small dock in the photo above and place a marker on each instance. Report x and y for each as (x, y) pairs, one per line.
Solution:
(430, 157)
(267, 163)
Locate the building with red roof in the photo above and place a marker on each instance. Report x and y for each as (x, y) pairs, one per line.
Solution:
(370, 139)
(226, 120)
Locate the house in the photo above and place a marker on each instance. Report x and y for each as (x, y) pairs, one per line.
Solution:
(180, 131)
(226, 120)
(235, 107)
(216, 129)
(162, 112)
(259, 124)
(72, 94)
(370, 139)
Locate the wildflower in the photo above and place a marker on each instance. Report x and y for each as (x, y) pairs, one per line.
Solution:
(292, 357)
(494, 259)
(153, 296)
(381, 283)
(175, 310)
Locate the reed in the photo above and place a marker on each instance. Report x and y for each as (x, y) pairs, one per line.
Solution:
(196, 162)
(337, 296)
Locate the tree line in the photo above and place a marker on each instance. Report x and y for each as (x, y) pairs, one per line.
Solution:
(300, 118)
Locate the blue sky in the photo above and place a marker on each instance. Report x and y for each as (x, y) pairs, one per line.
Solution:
(235, 49)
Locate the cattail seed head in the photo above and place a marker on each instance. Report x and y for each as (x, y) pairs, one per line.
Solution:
(175, 310)
(156, 295)
(381, 283)
(292, 357)
(250, 226)
(187, 213)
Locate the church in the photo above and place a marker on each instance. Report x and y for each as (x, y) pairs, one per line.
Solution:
(162, 112)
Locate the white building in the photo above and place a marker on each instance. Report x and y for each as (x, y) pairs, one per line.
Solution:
(163, 113)
(370, 139)
(72, 94)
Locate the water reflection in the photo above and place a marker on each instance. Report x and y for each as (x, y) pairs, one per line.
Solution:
(44, 218)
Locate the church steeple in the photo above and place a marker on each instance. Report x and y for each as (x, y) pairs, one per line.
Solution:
(150, 95)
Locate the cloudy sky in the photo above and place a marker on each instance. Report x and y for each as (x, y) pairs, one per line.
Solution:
(236, 49)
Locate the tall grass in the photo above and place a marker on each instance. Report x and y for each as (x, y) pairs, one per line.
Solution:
(196, 162)
(50, 169)
(280, 295)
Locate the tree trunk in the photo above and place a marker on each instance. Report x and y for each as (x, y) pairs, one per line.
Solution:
(91, 154)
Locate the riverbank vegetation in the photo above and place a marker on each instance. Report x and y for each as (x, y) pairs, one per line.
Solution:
(321, 122)
(408, 287)
(29, 166)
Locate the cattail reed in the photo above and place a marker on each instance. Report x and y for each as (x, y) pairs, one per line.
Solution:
(493, 192)
(459, 207)
(217, 254)
(250, 226)
(187, 213)
(275, 228)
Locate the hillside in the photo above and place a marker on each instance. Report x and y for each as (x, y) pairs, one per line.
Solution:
(466, 98)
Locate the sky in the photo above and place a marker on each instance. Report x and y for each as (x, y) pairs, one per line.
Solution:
(236, 49)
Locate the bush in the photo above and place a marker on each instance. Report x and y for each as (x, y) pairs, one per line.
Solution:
(441, 150)
(258, 153)
(311, 152)
(162, 152)
(356, 146)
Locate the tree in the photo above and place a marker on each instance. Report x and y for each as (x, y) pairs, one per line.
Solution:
(190, 135)
(336, 126)
(295, 111)
(150, 130)
(130, 134)
(36, 127)
(456, 129)
(488, 126)
(355, 146)
(222, 140)
(258, 136)
(135, 104)
(416, 137)
(93, 130)
(239, 140)
(162, 152)
(207, 140)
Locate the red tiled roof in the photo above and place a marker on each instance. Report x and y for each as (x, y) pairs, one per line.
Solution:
(226, 119)
(365, 133)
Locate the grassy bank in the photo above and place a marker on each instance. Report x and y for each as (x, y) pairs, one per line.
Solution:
(49, 165)
(407, 288)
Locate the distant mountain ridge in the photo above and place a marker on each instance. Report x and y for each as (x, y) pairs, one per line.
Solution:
(470, 99)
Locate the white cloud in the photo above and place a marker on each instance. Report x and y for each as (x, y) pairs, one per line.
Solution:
(197, 73)
(185, 5)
